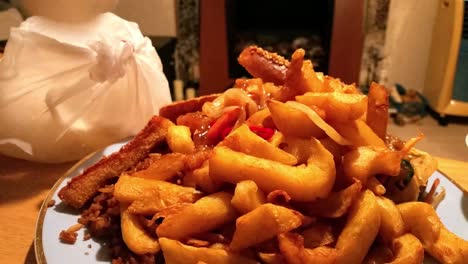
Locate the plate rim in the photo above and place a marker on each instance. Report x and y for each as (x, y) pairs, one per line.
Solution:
(38, 245)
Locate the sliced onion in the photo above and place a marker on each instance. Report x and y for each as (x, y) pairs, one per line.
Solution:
(318, 121)
(214, 109)
(238, 97)
(241, 120)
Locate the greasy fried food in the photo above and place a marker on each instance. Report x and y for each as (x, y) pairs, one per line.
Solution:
(135, 236)
(391, 225)
(302, 183)
(180, 140)
(363, 222)
(289, 167)
(422, 221)
(338, 107)
(244, 140)
(319, 234)
(177, 109)
(336, 204)
(273, 220)
(407, 249)
(163, 167)
(247, 196)
(365, 162)
(177, 253)
(300, 78)
(208, 213)
(359, 133)
(129, 189)
(82, 187)
(293, 122)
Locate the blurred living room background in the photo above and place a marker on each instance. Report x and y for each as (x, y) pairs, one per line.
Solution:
(393, 42)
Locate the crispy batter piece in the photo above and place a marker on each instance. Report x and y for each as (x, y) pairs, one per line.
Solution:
(83, 187)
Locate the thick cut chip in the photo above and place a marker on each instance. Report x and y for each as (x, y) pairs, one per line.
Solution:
(129, 189)
(378, 253)
(292, 248)
(359, 133)
(135, 236)
(319, 234)
(293, 122)
(208, 213)
(365, 162)
(259, 118)
(336, 204)
(180, 140)
(163, 168)
(262, 224)
(244, 140)
(392, 225)
(407, 249)
(361, 228)
(339, 107)
(200, 178)
(323, 255)
(271, 258)
(449, 248)
(302, 183)
(177, 253)
(247, 197)
(300, 77)
(422, 221)
(318, 120)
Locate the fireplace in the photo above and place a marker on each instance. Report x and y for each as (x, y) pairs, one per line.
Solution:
(330, 31)
(279, 28)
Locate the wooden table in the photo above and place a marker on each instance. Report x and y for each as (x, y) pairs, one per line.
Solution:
(24, 185)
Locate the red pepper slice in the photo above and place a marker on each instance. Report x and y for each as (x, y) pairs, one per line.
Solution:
(263, 132)
(430, 196)
(226, 120)
(226, 132)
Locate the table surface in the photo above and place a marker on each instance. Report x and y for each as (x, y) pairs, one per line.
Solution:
(24, 185)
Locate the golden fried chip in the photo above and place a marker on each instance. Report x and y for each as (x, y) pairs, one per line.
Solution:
(135, 236)
(177, 253)
(208, 213)
(266, 222)
(302, 183)
(244, 140)
(363, 223)
(247, 196)
(391, 225)
(163, 168)
(336, 204)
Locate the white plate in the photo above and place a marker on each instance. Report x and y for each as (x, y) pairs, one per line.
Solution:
(453, 211)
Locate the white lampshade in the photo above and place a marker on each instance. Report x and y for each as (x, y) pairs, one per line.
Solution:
(155, 17)
(65, 10)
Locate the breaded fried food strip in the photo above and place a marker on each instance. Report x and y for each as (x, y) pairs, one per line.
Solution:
(174, 110)
(81, 188)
